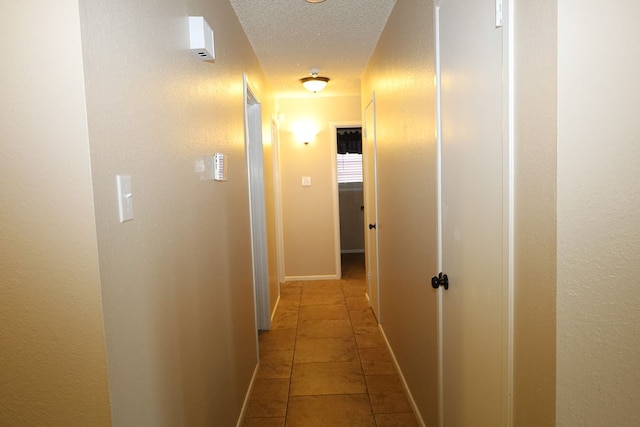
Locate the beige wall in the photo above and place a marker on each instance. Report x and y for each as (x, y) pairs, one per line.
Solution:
(535, 213)
(577, 152)
(53, 367)
(598, 361)
(308, 219)
(401, 72)
(176, 281)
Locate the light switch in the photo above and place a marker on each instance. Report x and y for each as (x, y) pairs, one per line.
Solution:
(125, 197)
(499, 18)
(306, 181)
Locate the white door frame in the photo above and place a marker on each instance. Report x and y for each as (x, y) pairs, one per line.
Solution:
(277, 194)
(373, 295)
(257, 209)
(509, 144)
(436, 26)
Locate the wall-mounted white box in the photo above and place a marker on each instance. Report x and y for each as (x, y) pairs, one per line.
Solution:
(201, 40)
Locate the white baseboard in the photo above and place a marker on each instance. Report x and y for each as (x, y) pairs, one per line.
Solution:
(245, 405)
(275, 308)
(307, 278)
(412, 402)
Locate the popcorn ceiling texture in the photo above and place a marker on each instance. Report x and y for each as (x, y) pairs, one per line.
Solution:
(291, 37)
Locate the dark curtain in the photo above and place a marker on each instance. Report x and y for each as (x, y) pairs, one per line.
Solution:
(349, 141)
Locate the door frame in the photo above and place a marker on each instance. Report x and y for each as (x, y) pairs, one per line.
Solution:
(440, 314)
(257, 207)
(374, 300)
(509, 144)
(277, 194)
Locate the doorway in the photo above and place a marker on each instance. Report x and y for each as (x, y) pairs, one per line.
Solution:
(345, 137)
(257, 208)
(350, 196)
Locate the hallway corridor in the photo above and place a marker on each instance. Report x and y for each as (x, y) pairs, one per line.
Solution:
(325, 362)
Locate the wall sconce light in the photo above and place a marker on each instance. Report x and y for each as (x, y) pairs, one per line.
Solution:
(305, 132)
(314, 83)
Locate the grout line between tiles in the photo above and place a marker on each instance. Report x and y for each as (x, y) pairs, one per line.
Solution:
(348, 280)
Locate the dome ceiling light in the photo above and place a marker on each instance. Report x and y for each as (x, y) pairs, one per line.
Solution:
(314, 83)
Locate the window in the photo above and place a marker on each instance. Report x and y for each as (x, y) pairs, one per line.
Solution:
(349, 155)
(349, 168)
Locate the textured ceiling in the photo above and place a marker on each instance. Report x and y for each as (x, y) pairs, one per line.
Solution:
(290, 37)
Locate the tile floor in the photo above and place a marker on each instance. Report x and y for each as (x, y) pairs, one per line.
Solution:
(324, 362)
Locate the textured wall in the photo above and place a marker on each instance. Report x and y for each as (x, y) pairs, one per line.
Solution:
(52, 358)
(176, 281)
(598, 364)
(309, 240)
(535, 213)
(401, 72)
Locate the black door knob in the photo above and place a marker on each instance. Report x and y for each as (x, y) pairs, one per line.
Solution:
(440, 280)
(372, 226)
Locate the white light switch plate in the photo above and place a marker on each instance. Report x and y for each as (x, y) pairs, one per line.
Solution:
(125, 197)
(499, 17)
(306, 181)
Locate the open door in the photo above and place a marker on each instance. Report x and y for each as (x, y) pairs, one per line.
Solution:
(370, 186)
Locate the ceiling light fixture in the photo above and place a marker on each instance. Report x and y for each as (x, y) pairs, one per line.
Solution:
(314, 83)
(315, 1)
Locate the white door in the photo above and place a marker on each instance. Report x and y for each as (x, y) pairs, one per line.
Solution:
(370, 186)
(475, 307)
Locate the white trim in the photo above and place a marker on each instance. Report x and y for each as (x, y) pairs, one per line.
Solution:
(277, 194)
(309, 278)
(275, 308)
(509, 196)
(439, 292)
(257, 207)
(412, 401)
(245, 404)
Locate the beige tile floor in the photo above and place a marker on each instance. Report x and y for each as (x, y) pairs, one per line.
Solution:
(324, 362)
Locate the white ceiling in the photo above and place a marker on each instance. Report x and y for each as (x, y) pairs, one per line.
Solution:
(290, 37)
